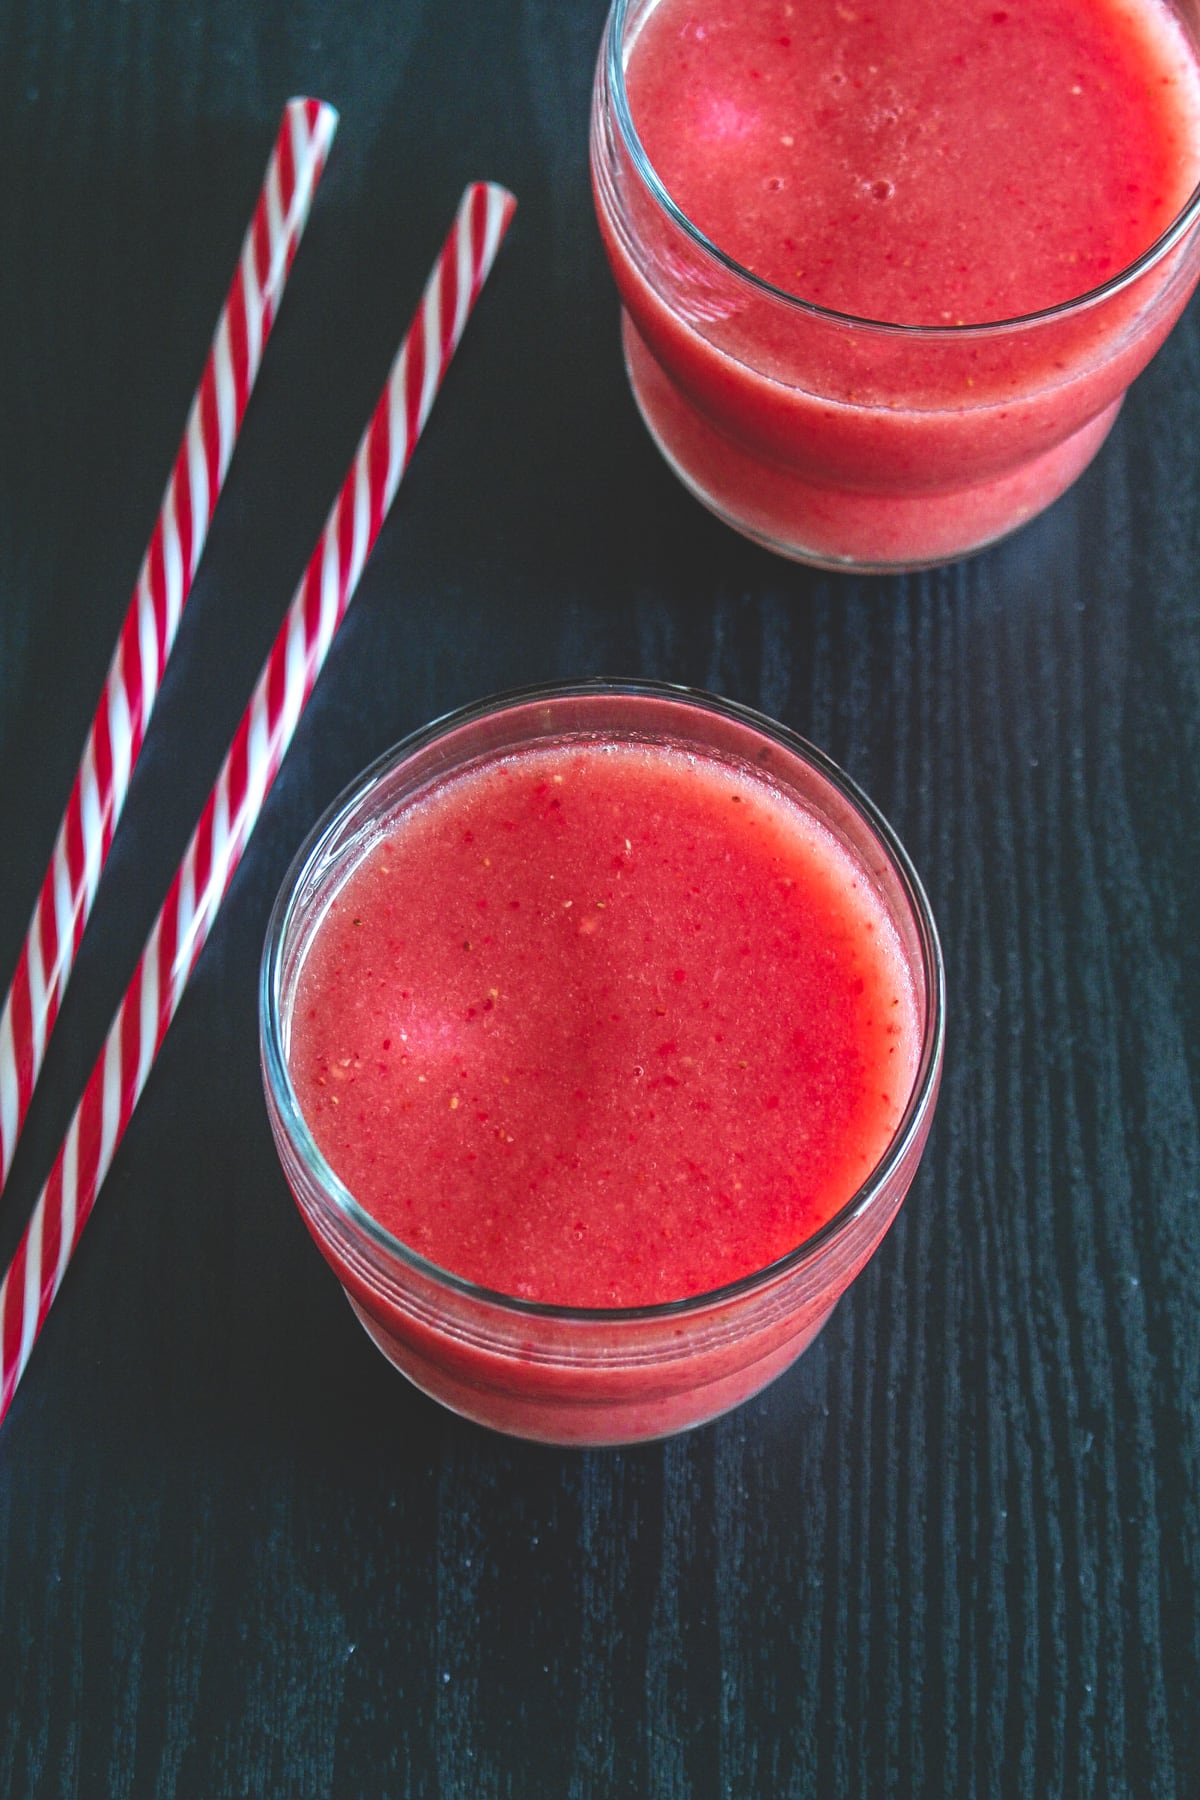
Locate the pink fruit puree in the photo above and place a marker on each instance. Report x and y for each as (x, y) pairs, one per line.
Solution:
(604, 1025)
(929, 165)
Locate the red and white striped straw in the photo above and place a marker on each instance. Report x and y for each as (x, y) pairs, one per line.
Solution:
(164, 581)
(288, 677)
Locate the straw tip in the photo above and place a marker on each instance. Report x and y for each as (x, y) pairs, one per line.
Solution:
(503, 194)
(500, 203)
(317, 112)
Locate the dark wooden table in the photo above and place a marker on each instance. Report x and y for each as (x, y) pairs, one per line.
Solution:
(955, 1551)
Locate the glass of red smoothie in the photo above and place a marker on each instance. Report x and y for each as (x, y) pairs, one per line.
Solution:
(887, 272)
(601, 1029)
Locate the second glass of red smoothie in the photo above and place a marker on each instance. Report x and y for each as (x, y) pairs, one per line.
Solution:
(601, 1029)
(887, 271)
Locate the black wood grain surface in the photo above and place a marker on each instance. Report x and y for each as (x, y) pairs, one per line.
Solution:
(955, 1551)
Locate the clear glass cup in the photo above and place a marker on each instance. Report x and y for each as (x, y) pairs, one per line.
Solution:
(844, 442)
(573, 1375)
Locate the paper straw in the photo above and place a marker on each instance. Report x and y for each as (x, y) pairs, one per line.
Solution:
(164, 581)
(288, 677)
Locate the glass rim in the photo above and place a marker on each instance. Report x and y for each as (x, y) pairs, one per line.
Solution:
(335, 1192)
(614, 66)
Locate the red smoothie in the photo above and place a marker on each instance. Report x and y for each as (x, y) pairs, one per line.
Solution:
(930, 165)
(940, 168)
(602, 1029)
(604, 1025)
